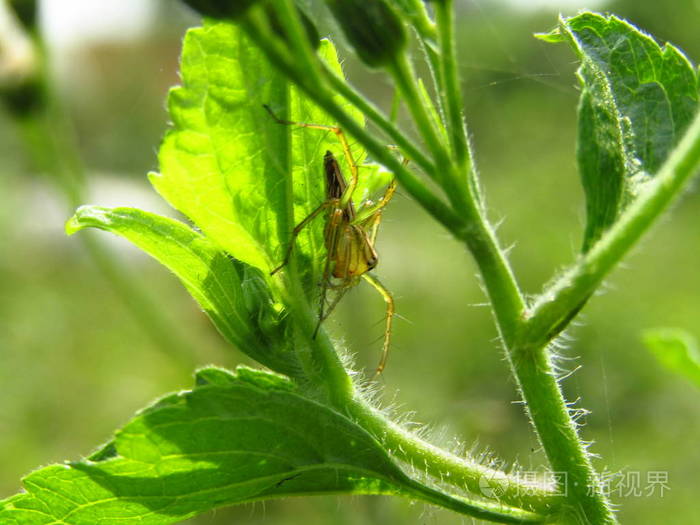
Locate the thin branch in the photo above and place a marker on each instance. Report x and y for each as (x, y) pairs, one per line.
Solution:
(376, 117)
(558, 304)
(463, 473)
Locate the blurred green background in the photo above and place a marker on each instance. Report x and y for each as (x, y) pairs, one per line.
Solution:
(75, 364)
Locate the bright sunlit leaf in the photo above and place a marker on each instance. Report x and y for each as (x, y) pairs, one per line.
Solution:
(230, 440)
(220, 163)
(233, 294)
(235, 172)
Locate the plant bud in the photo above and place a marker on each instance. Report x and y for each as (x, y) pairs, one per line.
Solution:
(22, 88)
(25, 11)
(220, 8)
(24, 99)
(372, 27)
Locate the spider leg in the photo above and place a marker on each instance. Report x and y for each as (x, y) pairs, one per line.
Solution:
(342, 289)
(297, 230)
(332, 234)
(371, 222)
(371, 279)
(343, 142)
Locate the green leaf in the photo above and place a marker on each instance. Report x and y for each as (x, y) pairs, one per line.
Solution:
(227, 442)
(232, 439)
(222, 164)
(233, 294)
(677, 350)
(637, 100)
(245, 181)
(373, 178)
(553, 37)
(603, 163)
(226, 164)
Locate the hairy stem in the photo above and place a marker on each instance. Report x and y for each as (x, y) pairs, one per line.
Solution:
(558, 305)
(323, 370)
(478, 235)
(402, 73)
(377, 118)
(462, 473)
(568, 460)
(450, 82)
(324, 98)
(530, 365)
(298, 38)
(420, 20)
(323, 367)
(493, 512)
(555, 306)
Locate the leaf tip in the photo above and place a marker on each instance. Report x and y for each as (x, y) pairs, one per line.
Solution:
(213, 375)
(676, 349)
(72, 226)
(87, 216)
(553, 37)
(75, 224)
(155, 178)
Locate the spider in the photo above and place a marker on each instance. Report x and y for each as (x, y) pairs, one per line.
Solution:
(349, 235)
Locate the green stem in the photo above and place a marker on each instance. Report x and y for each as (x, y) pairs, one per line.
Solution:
(530, 364)
(434, 66)
(420, 20)
(402, 73)
(478, 235)
(370, 111)
(324, 98)
(304, 53)
(557, 432)
(323, 368)
(462, 473)
(480, 238)
(450, 83)
(556, 306)
(501, 287)
(532, 368)
(493, 512)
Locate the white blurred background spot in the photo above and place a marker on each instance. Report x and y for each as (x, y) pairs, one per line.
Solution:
(70, 23)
